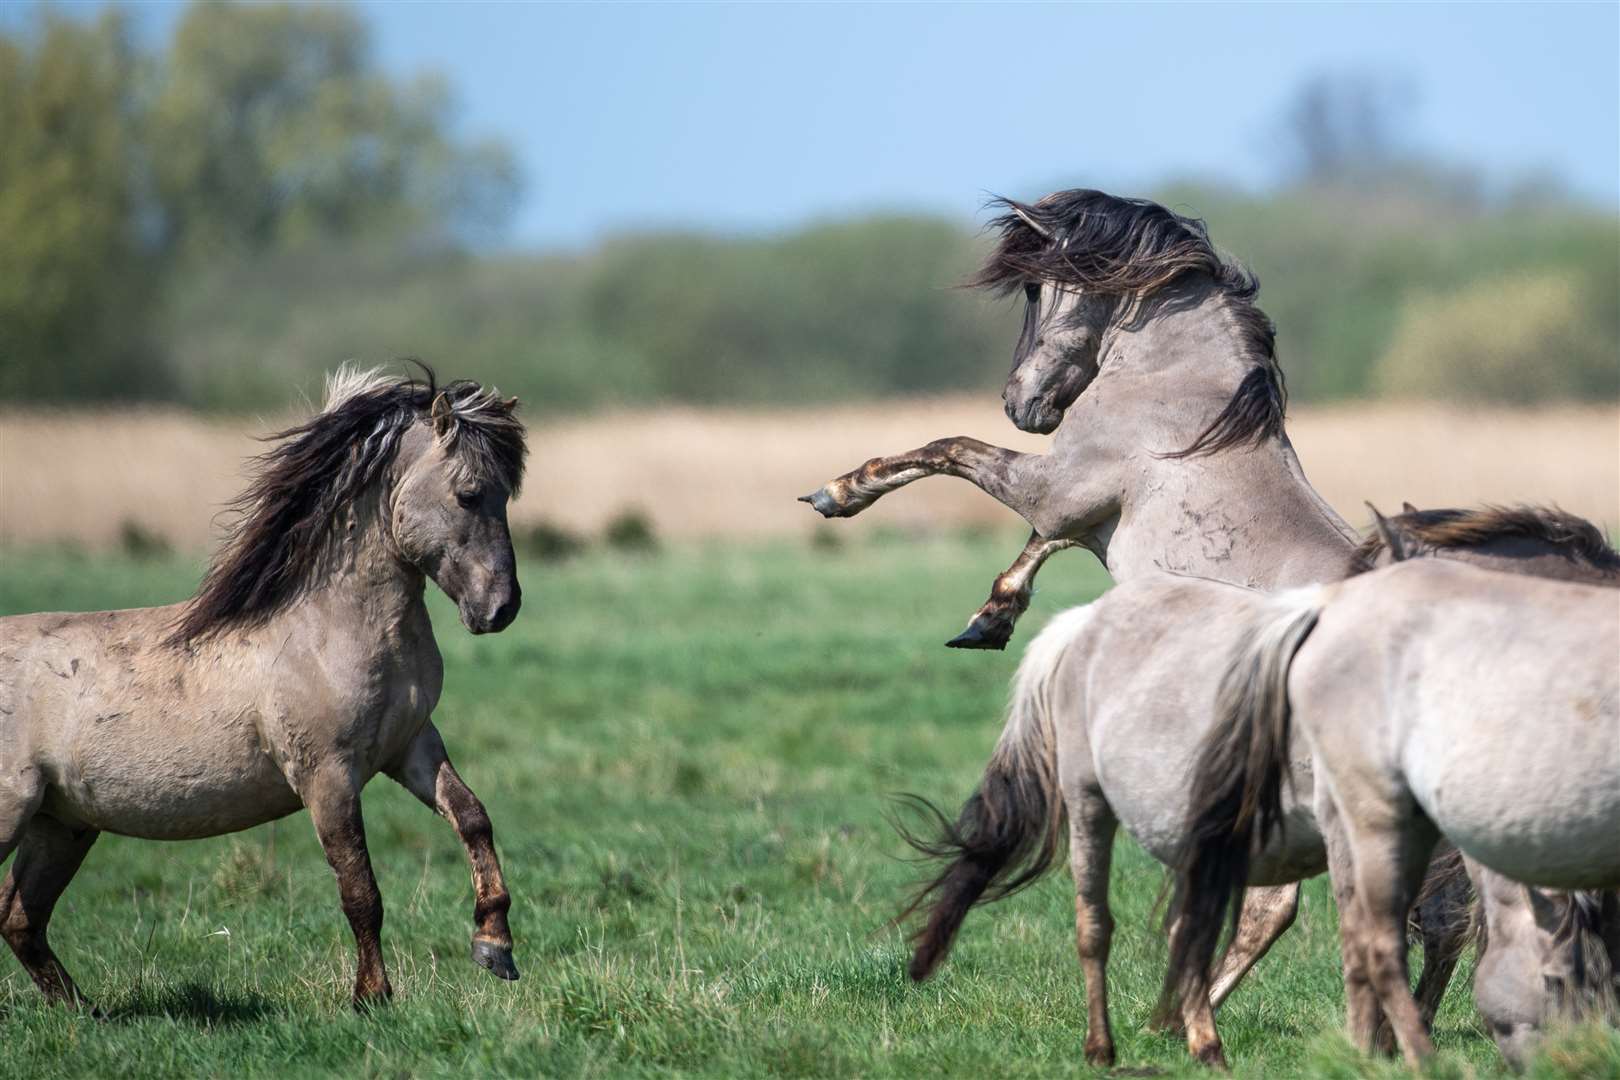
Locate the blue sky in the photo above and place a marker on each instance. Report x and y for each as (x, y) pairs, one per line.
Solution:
(743, 118)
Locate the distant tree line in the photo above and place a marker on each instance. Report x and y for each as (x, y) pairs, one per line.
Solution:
(219, 223)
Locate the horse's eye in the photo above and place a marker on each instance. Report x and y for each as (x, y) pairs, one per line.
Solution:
(467, 499)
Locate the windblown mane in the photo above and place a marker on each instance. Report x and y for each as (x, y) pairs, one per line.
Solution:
(281, 524)
(1433, 530)
(1137, 247)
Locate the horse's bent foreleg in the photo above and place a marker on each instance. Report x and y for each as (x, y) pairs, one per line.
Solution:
(992, 626)
(1091, 850)
(333, 799)
(427, 773)
(1267, 912)
(48, 856)
(1015, 479)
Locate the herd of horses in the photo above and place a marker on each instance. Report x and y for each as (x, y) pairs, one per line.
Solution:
(1431, 714)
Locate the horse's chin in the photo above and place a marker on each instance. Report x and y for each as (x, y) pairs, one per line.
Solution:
(1038, 418)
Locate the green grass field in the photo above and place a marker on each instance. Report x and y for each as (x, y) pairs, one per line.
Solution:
(687, 757)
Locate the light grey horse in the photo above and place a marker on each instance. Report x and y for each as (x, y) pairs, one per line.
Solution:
(1110, 707)
(1149, 349)
(304, 666)
(1430, 699)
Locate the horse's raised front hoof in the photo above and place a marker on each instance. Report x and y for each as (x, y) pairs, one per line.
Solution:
(983, 633)
(496, 958)
(828, 505)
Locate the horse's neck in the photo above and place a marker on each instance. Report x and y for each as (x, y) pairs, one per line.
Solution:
(1246, 515)
(364, 592)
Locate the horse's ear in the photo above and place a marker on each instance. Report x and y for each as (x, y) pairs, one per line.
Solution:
(442, 415)
(1407, 508)
(510, 403)
(1394, 540)
(1029, 219)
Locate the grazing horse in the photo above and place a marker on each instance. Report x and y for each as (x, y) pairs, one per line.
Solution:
(1150, 350)
(1109, 709)
(304, 666)
(1432, 700)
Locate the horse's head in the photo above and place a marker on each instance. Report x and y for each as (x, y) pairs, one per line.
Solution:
(1057, 354)
(1082, 259)
(448, 505)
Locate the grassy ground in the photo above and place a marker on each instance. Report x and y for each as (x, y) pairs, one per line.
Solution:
(686, 757)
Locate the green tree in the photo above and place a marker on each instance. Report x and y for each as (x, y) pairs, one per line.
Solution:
(76, 282)
(273, 130)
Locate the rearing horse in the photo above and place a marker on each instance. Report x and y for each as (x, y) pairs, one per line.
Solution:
(1148, 348)
(304, 666)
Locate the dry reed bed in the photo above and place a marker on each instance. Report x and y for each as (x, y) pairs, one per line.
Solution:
(80, 476)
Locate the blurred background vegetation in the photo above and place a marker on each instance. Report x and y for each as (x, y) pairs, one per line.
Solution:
(240, 209)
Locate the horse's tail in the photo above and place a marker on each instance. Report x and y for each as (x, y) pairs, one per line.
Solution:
(1235, 797)
(1008, 832)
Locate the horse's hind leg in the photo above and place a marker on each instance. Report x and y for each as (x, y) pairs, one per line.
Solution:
(1091, 850)
(1268, 911)
(427, 773)
(1441, 915)
(1389, 868)
(48, 856)
(992, 625)
(333, 798)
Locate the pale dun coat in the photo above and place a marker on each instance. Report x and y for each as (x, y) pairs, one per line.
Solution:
(1110, 707)
(1432, 699)
(304, 666)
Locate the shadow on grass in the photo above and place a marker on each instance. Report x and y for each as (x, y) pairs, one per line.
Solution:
(196, 1003)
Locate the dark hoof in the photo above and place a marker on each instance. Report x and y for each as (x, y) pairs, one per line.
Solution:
(982, 634)
(824, 504)
(496, 958)
(1211, 1056)
(1100, 1056)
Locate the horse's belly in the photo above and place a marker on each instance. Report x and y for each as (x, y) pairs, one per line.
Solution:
(156, 785)
(1557, 827)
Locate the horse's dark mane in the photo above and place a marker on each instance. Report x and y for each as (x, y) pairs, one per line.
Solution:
(1438, 530)
(281, 523)
(1136, 247)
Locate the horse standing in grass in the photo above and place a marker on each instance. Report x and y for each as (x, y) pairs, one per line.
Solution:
(1109, 710)
(1149, 349)
(1431, 700)
(304, 666)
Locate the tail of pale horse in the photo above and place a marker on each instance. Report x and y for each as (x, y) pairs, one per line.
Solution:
(1007, 834)
(1236, 793)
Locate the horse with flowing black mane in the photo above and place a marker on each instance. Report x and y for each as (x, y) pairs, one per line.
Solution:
(304, 665)
(1148, 347)
(1109, 709)
(1173, 457)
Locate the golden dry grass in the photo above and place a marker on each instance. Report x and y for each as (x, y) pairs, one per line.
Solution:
(80, 476)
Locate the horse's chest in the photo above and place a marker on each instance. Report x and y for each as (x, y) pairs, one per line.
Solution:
(376, 732)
